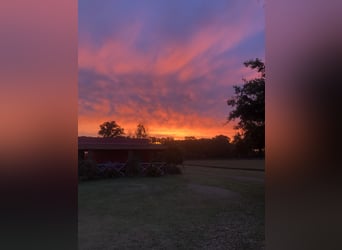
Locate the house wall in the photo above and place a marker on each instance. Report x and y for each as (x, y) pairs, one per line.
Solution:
(102, 156)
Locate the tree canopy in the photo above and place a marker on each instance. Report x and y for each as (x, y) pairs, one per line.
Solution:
(140, 131)
(248, 105)
(110, 129)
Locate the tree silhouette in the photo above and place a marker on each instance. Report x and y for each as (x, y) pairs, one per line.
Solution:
(249, 107)
(188, 138)
(141, 131)
(240, 148)
(110, 129)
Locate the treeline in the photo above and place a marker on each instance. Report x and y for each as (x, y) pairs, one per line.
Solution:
(219, 147)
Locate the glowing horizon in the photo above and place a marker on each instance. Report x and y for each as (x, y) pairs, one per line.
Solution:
(155, 131)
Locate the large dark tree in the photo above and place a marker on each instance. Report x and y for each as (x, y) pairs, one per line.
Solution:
(110, 129)
(248, 105)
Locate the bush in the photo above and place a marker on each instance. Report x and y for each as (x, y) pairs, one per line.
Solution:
(173, 169)
(108, 170)
(111, 173)
(87, 169)
(133, 168)
(153, 171)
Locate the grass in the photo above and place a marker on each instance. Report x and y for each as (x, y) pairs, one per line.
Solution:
(205, 208)
(244, 164)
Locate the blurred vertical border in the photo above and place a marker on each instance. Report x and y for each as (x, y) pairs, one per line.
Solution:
(38, 128)
(303, 124)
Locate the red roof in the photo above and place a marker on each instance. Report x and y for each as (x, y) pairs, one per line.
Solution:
(116, 143)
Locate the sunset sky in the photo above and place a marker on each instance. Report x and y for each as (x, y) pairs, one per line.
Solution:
(168, 64)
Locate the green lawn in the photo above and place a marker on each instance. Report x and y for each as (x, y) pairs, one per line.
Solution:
(205, 208)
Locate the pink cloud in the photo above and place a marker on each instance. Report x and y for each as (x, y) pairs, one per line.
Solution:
(169, 86)
(119, 54)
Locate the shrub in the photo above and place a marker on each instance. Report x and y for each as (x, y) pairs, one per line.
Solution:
(153, 171)
(108, 170)
(173, 169)
(132, 168)
(111, 173)
(87, 169)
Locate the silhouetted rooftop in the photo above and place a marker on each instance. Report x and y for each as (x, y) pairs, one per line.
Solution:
(117, 143)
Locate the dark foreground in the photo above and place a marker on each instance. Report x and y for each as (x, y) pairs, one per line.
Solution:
(205, 208)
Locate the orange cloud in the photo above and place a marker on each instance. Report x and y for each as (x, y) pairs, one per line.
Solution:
(159, 123)
(207, 129)
(175, 86)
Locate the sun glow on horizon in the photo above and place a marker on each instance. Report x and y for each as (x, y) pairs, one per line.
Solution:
(91, 129)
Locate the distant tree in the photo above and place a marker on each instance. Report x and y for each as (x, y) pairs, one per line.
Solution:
(187, 138)
(222, 138)
(166, 140)
(219, 147)
(141, 131)
(240, 146)
(154, 139)
(249, 107)
(110, 129)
